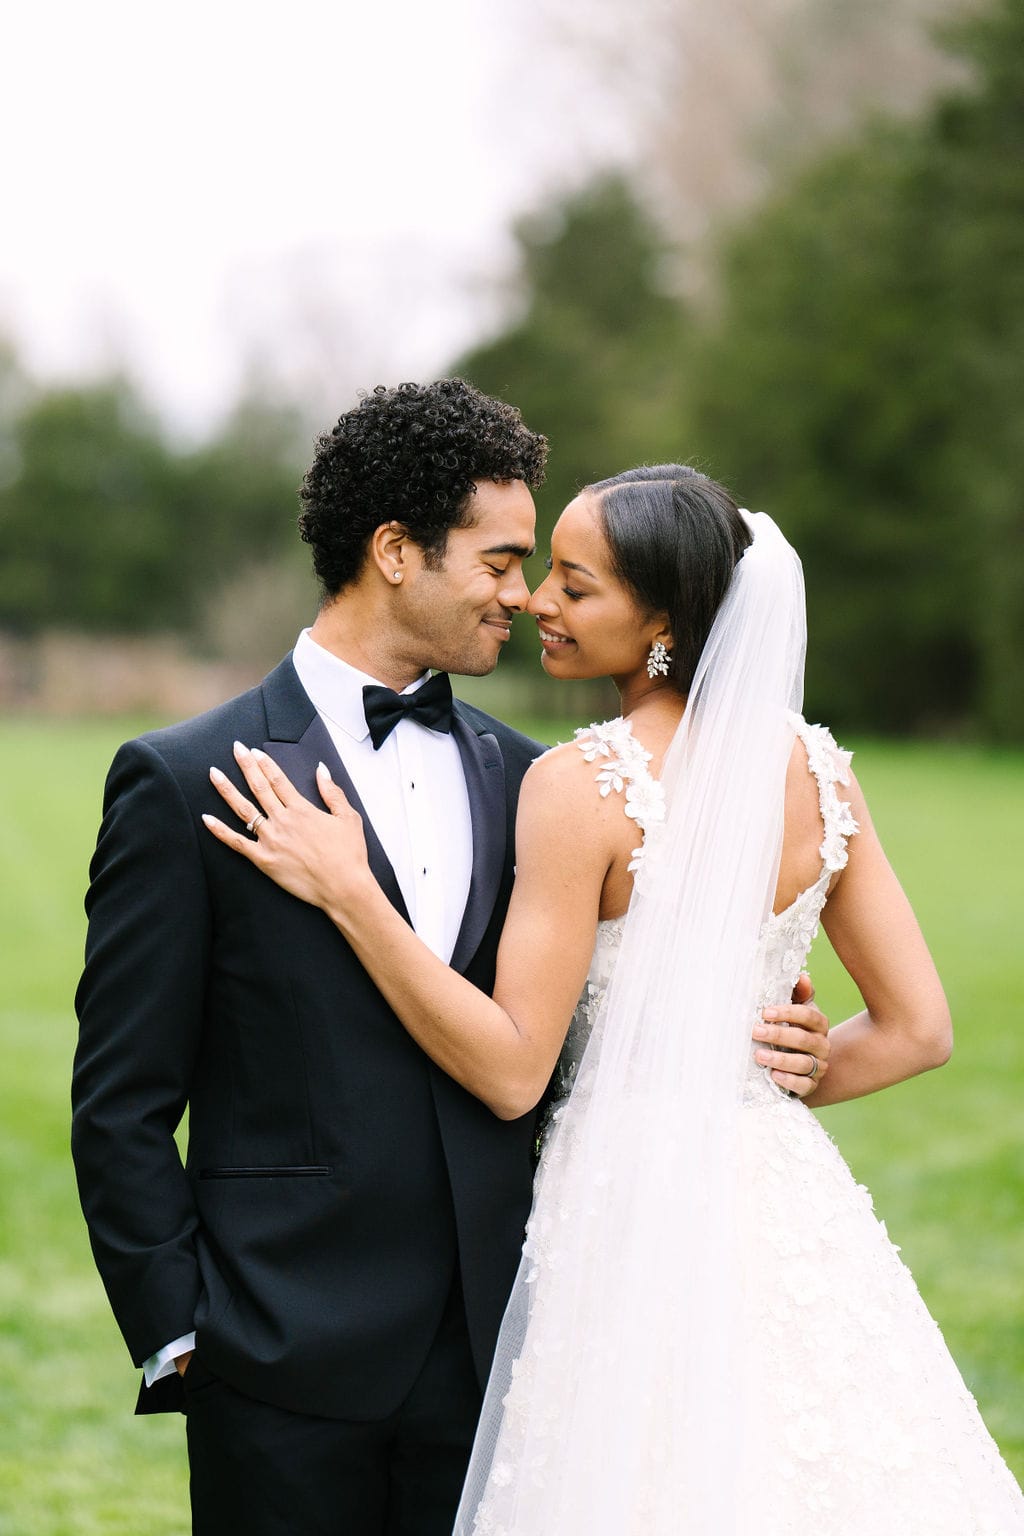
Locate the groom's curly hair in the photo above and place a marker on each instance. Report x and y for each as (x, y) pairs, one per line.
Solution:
(409, 455)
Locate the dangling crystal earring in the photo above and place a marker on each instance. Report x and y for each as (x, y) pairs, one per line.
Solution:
(658, 659)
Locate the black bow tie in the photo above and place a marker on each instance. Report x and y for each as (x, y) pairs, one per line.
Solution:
(430, 705)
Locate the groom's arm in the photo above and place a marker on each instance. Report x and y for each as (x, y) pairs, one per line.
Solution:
(140, 1005)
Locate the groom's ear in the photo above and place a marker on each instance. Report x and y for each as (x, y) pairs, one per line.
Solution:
(389, 552)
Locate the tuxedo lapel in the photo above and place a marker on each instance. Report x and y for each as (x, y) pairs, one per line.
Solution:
(298, 741)
(485, 783)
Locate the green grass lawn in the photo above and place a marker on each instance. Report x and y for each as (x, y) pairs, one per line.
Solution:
(944, 1155)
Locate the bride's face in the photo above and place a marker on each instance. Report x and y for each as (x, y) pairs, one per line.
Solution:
(589, 622)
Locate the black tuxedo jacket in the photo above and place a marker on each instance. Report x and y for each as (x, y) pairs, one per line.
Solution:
(335, 1177)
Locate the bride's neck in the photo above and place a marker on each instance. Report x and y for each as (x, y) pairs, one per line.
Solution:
(652, 702)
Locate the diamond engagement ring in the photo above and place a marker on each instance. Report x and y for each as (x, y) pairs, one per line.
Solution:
(258, 820)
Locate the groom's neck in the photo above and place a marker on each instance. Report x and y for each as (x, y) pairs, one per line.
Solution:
(356, 627)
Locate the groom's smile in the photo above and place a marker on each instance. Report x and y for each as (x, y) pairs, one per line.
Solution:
(457, 611)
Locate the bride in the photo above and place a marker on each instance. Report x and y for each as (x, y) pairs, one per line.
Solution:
(710, 1331)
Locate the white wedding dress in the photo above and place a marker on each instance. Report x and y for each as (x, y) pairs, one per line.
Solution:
(852, 1419)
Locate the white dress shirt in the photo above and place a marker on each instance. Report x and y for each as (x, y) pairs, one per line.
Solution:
(413, 791)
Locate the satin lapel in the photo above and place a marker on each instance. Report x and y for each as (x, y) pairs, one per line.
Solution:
(288, 707)
(299, 760)
(485, 783)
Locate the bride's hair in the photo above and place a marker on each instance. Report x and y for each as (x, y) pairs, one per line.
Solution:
(675, 537)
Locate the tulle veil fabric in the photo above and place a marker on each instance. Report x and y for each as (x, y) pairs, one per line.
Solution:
(593, 1408)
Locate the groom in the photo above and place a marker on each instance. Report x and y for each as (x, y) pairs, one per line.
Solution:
(320, 1286)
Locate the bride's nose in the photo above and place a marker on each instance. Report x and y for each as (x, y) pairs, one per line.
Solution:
(543, 600)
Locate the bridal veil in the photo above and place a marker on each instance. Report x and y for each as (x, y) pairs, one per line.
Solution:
(616, 1372)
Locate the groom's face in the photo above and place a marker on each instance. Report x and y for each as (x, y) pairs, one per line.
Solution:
(457, 614)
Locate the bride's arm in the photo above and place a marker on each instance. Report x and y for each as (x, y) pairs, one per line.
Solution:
(905, 1026)
(502, 1049)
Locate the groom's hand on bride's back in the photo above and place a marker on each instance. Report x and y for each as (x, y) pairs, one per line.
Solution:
(799, 1029)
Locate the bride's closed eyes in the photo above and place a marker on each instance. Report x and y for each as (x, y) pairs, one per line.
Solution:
(569, 592)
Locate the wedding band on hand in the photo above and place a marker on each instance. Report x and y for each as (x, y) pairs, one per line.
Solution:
(254, 825)
(815, 1064)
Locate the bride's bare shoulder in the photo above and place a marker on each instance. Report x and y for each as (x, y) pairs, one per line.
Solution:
(569, 789)
(816, 764)
(561, 768)
(594, 750)
(801, 788)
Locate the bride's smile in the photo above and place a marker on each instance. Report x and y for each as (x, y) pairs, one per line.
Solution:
(548, 638)
(588, 620)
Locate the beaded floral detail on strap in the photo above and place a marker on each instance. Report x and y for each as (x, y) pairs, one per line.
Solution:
(622, 770)
(623, 767)
(787, 936)
(830, 765)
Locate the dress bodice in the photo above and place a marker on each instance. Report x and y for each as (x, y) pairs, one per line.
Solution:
(786, 937)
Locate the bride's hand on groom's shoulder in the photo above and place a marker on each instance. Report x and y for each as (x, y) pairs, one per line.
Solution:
(795, 1029)
(317, 855)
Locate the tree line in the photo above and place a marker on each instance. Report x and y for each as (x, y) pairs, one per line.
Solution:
(108, 525)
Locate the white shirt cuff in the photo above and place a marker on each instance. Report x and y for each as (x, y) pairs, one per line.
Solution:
(162, 1363)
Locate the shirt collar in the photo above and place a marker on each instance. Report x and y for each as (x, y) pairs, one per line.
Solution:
(335, 688)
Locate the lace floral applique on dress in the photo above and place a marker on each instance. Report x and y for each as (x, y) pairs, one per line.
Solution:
(622, 769)
(830, 765)
(788, 935)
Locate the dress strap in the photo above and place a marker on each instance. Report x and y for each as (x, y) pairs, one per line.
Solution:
(830, 765)
(623, 768)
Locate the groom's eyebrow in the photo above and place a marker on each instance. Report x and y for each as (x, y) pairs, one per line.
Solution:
(522, 551)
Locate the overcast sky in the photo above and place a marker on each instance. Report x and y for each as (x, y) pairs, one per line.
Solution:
(325, 188)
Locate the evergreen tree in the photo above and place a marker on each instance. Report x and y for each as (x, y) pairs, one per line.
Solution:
(864, 382)
(105, 527)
